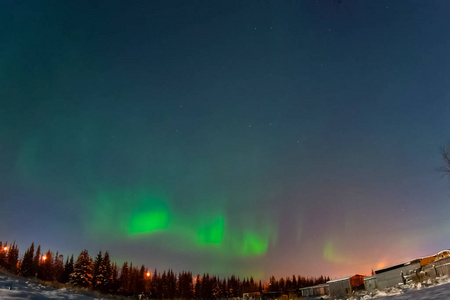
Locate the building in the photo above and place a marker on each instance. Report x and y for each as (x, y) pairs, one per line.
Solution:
(315, 291)
(417, 270)
(370, 283)
(272, 295)
(392, 276)
(442, 263)
(346, 286)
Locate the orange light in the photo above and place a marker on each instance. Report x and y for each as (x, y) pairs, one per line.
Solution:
(5, 248)
(44, 258)
(148, 274)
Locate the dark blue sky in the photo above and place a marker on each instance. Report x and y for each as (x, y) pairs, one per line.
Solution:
(246, 137)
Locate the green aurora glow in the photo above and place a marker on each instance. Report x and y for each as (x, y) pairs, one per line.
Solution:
(143, 216)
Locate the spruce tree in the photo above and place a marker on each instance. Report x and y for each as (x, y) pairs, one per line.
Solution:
(107, 272)
(163, 285)
(47, 267)
(281, 285)
(98, 272)
(27, 269)
(141, 280)
(133, 277)
(185, 285)
(3, 252)
(154, 283)
(13, 258)
(215, 289)
(68, 269)
(82, 275)
(58, 267)
(198, 288)
(36, 261)
(124, 278)
(115, 283)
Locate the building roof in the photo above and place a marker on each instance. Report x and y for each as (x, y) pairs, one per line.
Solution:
(415, 261)
(314, 286)
(343, 278)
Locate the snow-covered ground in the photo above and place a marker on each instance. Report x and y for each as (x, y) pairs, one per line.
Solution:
(436, 289)
(18, 288)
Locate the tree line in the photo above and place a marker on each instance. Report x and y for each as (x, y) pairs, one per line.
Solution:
(102, 275)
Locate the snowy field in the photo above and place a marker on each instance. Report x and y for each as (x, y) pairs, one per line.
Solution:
(437, 289)
(13, 288)
(435, 292)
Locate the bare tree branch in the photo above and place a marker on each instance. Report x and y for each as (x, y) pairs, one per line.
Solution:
(445, 152)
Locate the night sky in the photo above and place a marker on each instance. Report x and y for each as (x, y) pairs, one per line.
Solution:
(231, 137)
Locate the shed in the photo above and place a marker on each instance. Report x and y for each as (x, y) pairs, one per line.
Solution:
(370, 283)
(272, 295)
(346, 285)
(306, 292)
(315, 291)
(442, 266)
(392, 276)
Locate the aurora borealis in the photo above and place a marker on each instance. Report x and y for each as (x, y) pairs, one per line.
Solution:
(231, 137)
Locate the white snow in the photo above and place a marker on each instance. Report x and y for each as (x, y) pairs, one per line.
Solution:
(18, 288)
(432, 289)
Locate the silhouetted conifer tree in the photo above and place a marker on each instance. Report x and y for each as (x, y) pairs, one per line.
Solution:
(124, 278)
(36, 261)
(98, 271)
(140, 284)
(115, 284)
(3, 253)
(107, 272)
(27, 268)
(215, 288)
(133, 275)
(12, 257)
(163, 285)
(58, 267)
(233, 285)
(185, 285)
(82, 275)
(294, 284)
(273, 284)
(68, 269)
(198, 288)
(47, 267)
(281, 285)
